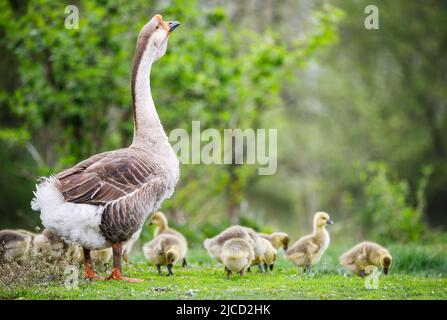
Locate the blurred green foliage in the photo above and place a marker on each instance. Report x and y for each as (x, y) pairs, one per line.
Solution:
(387, 212)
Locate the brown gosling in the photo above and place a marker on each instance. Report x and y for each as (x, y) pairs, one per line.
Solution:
(14, 245)
(215, 245)
(164, 250)
(162, 227)
(237, 256)
(50, 245)
(365, 254)
(308, 250)
(277, 239)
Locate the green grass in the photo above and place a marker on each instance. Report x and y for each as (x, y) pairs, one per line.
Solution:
(419, 272)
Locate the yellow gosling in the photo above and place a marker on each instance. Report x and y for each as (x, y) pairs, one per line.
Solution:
(237, 256)
(162, 227)
(365, 254)
(164, 250)
(308, 250)
(277, 239)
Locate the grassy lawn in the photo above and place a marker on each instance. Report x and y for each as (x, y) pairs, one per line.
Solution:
(419, 273)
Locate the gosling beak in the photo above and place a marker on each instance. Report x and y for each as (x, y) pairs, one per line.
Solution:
(285, 248)
(385, 271)
(330, 221)
(172, 25)
(271, 267)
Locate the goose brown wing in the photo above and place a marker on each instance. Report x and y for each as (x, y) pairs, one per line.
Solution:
(106, 177)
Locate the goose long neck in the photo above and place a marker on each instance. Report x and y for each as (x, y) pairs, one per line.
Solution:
(147, 125)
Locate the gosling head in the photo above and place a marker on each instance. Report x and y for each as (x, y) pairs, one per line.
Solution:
(154, 37)
(159, 219)
(321, 219)
(270, 259)
(49, 244)
(172, 256)
(280, 240)
(385, 261)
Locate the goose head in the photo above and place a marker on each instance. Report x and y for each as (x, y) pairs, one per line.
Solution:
(154, 36)
(321, 219)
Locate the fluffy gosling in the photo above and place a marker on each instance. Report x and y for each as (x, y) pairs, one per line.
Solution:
(162, 227)
(14, 244)
(164, 250)
(270, 255)
(308, 250)
(50, 245)
(277, 239)
(215, 245)
(237, 256)
(365, 254)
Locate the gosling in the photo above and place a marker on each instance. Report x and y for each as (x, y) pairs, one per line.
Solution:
(308, 250)
(277, 239)
(162, 227)
(215, 244)
(50, 245)
(364, 254)
(166, 250)
(237, 256)
(270, 256)
(14, 244)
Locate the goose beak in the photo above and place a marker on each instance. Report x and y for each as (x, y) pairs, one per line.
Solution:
(330, 221)
(172, 25)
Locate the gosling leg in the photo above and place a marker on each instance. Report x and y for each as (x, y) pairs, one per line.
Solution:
(169, 267)
(159, 270)
(184, 263)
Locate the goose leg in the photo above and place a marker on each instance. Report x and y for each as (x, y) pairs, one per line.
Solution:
(89, 272)
(117, 249)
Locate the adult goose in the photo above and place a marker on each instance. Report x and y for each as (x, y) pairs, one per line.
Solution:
(102, 201)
